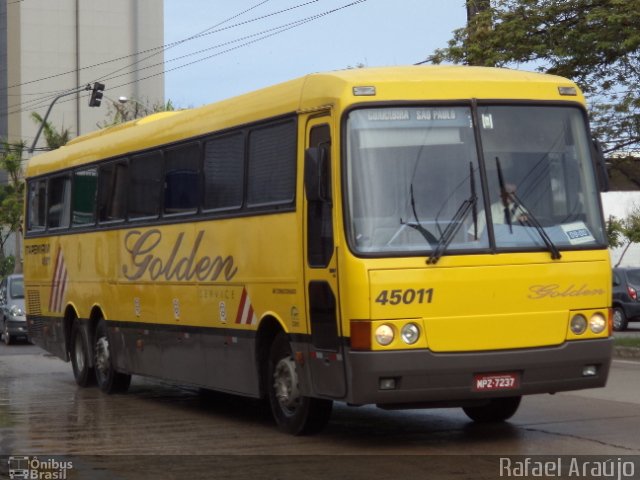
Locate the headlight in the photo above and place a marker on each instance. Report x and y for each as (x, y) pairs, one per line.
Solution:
(410, 333)
(578, 324)
(384, 335)
(16, 311)
(597, 323)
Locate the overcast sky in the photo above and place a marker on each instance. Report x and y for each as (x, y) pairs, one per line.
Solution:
(372, 32)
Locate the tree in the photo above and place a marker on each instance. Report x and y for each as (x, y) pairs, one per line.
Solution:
(594, 42)
(11, 200)
(624, 232)
(121, 112)
(615, 235)
(53, 138)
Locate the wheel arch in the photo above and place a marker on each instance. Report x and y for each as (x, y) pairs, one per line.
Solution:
(95, 316)
(89, 325)
(70, 316)
(270, 326)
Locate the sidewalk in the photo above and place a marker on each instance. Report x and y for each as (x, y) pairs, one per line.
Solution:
(626, 352)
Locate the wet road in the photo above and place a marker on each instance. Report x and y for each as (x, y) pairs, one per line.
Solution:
(147, 432)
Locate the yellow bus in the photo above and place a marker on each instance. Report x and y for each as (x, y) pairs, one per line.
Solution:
(408, 237)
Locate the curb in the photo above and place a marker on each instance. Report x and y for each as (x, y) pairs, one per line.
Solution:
(626, 352)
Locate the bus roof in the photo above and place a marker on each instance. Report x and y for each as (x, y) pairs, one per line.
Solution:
(312, 92)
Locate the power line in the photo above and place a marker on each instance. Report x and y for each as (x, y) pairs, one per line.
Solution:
(35, 103)
(263, 35)
(208, 31)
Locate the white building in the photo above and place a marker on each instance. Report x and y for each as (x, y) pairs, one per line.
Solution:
(51, 46)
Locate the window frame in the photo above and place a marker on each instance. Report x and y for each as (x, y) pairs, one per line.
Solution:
(197, 215)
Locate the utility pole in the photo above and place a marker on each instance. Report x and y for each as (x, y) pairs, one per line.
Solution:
(94, 101)
(476, 55)
(476, 6)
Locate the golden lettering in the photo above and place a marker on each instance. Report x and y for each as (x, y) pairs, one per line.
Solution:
(142, 245)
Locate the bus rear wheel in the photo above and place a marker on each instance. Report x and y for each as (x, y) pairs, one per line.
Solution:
(83, 373)
(497, 410)
(294, 413)
(109, 380)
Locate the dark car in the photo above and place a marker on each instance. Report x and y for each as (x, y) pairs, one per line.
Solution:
(13, 322)
(626, 297)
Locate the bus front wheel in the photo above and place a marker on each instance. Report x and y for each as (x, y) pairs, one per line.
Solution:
(497, 410)
(109, 380)
(293, 412)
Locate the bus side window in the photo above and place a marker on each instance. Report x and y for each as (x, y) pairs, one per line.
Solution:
(112, 180)
(272, 165)
(37, 205)
(224, 172)
(182, 179)
(59, 202)
(85, 185)
(145, 185)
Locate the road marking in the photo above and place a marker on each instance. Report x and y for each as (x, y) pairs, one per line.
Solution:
(627, 362)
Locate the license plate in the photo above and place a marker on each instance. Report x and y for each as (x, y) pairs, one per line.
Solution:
(488, 382)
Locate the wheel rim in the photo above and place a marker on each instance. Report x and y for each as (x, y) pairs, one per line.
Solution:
(78, 350)
(102, 357)
(286, 385)
(617, 319)
(6, 334)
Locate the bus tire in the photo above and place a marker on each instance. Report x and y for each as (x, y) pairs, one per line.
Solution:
(83, 373)
(294, 413)
(497, 410)
(109, 380)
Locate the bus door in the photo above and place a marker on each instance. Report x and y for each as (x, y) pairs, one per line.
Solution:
(326, 361)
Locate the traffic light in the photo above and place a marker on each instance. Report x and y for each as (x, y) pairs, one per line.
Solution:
(96, 94)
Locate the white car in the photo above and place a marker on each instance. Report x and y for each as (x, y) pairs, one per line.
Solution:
(13, 319)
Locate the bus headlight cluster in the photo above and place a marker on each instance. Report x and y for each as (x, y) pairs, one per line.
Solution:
(409, 333)
(597, 323)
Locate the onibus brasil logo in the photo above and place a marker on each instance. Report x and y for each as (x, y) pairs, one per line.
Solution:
(33, 468)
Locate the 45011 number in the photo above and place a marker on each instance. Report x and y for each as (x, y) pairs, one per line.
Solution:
(407, 297)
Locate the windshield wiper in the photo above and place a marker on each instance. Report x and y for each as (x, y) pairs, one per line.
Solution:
(504, 195)
(428, 236)
(531, 221)
(528, 218)
(469, 205)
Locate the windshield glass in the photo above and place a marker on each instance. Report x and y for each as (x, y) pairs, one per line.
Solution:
(16, 288)
(409, 172)
(543, 156)
(414, 183)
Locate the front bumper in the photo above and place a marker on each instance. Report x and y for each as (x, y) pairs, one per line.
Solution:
(423, 376)
(17, 327)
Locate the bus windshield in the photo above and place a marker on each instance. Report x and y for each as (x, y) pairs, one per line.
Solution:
(414, 180)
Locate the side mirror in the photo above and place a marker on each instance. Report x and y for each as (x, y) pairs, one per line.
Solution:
(316, 174)
(601, 166)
